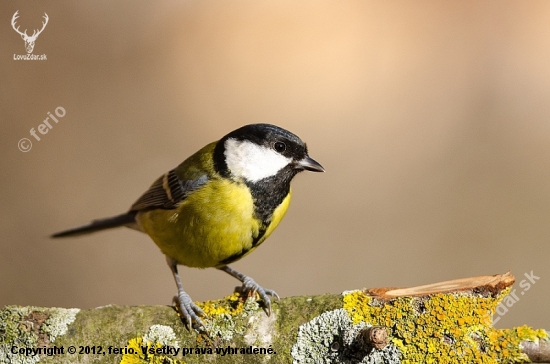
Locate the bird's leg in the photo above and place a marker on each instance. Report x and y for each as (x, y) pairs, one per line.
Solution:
(188, 309)
(250, 286)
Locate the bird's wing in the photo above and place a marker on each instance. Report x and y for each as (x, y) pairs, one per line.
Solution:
(167, 192)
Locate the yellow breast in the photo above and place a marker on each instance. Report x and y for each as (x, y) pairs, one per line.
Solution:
(211, 225)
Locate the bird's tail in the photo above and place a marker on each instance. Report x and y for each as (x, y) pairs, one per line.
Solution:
(101, 224)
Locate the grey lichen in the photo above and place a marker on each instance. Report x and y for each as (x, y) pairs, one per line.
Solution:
(222, 322)
(27, 328)
(161, 334)
(332, 338)
(223, 326)
(59, 321)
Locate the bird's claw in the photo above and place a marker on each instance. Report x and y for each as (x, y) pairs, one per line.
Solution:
(250, 287)
(189, 310)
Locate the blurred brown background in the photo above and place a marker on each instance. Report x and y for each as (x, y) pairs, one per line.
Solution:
(431, 118)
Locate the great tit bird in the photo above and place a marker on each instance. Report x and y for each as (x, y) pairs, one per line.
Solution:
(218, 205)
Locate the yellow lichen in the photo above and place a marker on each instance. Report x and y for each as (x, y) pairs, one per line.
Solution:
(222, 315)
(443, 328)
(230, 305)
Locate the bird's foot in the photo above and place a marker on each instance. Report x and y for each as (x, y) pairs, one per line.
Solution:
(189, 311)
(250, 287)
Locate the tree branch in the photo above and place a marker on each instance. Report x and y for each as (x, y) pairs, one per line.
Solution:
(447, 322)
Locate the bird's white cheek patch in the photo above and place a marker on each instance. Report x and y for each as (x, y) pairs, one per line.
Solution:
(251, 161)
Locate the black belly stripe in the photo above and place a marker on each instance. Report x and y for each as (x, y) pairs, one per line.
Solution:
(239, 255)
(233, 258)
(268, 194)
(261, 234)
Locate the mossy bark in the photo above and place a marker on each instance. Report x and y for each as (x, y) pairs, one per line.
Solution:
(325, 328)
(114, 326)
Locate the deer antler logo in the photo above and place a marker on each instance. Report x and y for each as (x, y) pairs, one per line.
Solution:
(29, 41)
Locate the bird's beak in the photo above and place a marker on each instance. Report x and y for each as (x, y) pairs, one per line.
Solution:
(309, 164)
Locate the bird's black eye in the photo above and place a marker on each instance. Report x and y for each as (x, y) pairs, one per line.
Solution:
(279, 147)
